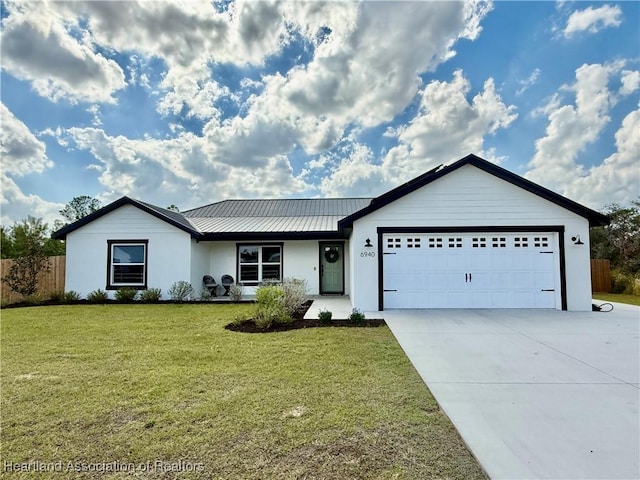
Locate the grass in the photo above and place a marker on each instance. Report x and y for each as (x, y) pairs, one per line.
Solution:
(618, 297)
(126, 386)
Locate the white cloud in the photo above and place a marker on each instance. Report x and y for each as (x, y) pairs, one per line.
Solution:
(22, 152)
(630, 82)
(37, 47)
(368, 75)
(593, 19)
(16, 206)
(531, 80)
(617, 179)
(355, 176)
(447, 127)
(181, 170)
(191, 88)
(361, 74)
(571, 128)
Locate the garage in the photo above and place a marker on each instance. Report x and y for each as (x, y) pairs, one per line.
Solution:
(481, 269)
(470, 235)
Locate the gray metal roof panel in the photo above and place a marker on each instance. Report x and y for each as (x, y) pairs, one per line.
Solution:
(170, 214)
(280, 208)
(321, 223)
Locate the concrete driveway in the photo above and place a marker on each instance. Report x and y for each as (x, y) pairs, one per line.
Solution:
(534, 394)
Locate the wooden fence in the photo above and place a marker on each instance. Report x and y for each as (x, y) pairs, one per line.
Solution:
(600, 275)
(48, 282)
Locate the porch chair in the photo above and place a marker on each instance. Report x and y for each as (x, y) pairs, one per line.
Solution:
(227, 281)
(210, 284)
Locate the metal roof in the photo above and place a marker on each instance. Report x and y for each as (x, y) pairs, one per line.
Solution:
(174, 217)
(273, 216)
(280, 208)
(309, 223)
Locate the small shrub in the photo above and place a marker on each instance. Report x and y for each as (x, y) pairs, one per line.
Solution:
(97, 296)
(238, 319)
(71, 296)
(270, 307)
(624, 283)
(37, 299)
(150, 295)
(55, 297)
(205, 294)
(324, 315)
(126, 294)
(235, 292)
(181, 291)
(357, 316)
(295, 294)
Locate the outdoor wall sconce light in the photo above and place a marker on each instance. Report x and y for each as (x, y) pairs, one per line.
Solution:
(576, 240)
(368, 243)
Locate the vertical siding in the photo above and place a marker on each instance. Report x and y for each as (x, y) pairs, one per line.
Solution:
(600, 275)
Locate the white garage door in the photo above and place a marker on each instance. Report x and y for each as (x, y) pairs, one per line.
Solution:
(471, 270)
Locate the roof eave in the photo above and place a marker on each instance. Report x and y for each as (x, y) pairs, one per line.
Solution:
(62, 233)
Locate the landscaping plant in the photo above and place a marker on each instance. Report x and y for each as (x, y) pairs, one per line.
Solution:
(181, 291)
(270, 308)
(294, 294)
(71, 296)
(235, 292)
(97, 296)
(324, 315)
(357, 316)
(126, 294)
(150, 295)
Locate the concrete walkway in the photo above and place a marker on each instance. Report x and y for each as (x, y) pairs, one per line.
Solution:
(534, 394)
(339, 305)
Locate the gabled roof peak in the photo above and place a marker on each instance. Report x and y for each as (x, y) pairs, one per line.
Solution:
(595, 218)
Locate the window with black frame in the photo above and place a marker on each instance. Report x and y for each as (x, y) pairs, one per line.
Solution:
(257, 263)
(127, 263)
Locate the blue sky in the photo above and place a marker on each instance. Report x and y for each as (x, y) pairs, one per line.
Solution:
(190, 103)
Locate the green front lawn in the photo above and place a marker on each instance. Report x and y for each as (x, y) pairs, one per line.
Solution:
(617, 297)
(126, 386)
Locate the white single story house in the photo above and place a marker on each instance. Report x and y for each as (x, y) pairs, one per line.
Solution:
(467, 235)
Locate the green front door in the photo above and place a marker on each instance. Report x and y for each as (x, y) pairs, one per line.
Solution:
(332, 268)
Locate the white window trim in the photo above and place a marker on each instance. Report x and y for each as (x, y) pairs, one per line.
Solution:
(111, 245)
(260, 264)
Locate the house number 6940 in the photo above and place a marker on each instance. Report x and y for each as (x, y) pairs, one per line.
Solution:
(367, 254)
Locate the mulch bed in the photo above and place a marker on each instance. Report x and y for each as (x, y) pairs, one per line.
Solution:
(249, 325)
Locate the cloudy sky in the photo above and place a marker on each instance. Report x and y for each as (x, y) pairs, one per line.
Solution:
(188, 103)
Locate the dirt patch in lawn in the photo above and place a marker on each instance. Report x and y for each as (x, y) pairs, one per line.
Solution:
(249, 325)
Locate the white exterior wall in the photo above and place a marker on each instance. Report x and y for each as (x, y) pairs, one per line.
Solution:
(469, 197)
(168, 254)
(200, 254)
(300, 260)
